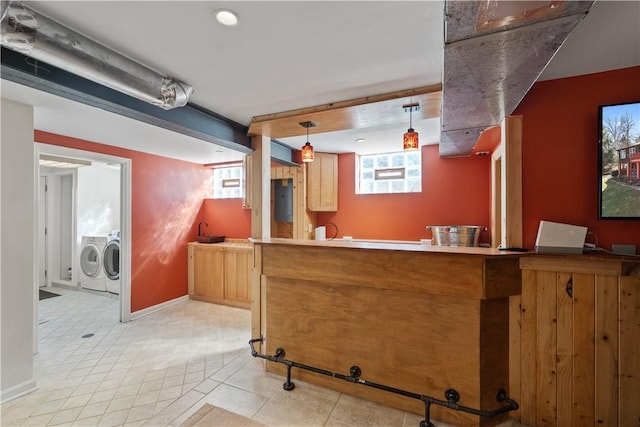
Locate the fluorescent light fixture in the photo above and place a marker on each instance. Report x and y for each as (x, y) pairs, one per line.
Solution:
(62, 162)
(226, 17)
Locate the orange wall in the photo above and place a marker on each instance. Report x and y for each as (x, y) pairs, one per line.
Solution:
(560, 153)
(166, 196)
(225, 217)
(454, 191)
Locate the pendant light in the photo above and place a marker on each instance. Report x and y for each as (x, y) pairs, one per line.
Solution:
(307, 149)
(410, 141)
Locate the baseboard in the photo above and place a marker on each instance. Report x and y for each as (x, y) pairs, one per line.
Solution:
(147, 311)
(18, 390)
(64, 284)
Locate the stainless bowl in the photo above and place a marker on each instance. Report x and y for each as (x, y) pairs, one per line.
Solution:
(456, 235)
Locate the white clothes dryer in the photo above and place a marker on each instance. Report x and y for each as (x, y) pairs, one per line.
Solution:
(111, 262)
(91, 272)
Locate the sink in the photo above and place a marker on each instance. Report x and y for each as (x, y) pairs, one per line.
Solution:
(210, 239)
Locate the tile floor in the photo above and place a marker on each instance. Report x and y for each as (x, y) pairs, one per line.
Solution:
(160, 369)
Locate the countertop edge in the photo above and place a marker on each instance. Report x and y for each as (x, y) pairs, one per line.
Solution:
(391, 245)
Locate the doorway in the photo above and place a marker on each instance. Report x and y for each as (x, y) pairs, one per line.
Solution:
(70, 212)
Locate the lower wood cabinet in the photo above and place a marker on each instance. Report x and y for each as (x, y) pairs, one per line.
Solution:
(575, 341)
(220, 273)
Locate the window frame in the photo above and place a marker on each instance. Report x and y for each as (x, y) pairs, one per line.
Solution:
(371, 184)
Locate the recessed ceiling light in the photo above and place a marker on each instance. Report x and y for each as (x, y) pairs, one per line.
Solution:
(360, 140)
(226, 17)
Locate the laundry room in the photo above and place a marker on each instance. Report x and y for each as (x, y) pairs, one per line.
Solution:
(81, 223)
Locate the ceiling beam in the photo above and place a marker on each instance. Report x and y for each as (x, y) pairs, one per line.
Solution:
(357, 113)
(191, 120)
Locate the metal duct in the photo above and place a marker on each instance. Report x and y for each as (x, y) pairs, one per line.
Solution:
(494, 52)
(40, 37)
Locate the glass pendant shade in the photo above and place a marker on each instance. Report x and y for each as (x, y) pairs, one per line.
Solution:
(411, 141)
(307, 152)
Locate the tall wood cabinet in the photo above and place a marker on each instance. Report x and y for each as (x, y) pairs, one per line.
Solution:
(220, 273)
(575, 341)
(322, 183)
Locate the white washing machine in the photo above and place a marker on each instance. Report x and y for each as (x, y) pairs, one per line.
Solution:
(91, 272)
(111, 262)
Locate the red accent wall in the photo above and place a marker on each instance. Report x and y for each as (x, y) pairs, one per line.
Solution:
(166, 197)
(560, 153)
(454, 191)
(225, 217)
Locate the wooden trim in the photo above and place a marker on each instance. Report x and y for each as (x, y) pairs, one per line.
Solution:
(358, 113)
(349, 103)
(629, 367)
(506, 186)
(575, 264)
(221, 301)
(496, 197)
(511, 179)
(260, 187)
(515, 351)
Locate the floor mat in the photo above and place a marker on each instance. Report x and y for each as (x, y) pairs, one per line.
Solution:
(46, 294)
(210, 415)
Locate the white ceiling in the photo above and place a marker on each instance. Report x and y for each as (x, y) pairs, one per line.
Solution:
(291, 54)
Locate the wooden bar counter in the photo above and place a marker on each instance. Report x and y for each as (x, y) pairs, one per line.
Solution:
(414, 317)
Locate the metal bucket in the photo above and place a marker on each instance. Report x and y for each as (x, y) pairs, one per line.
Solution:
(456, 235)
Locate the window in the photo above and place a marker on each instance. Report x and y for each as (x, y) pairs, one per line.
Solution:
(399, 172)
(228, 181)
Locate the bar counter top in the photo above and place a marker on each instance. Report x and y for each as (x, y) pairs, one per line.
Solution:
(389, 245)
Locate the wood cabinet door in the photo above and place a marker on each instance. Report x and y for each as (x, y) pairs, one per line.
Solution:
(208, 272)
(322, 183)
(580, 348)
(238, 275)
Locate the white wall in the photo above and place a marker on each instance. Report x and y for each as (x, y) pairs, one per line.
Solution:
(17, 249)
(98, 200)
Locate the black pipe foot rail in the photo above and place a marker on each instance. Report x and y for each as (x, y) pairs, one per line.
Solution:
(452, 396)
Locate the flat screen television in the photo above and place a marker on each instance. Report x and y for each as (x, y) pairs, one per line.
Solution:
(619, 161)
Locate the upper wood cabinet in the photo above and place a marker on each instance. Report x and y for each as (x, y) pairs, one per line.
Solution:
(322, 183)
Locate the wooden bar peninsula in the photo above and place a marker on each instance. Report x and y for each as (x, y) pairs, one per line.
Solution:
(414, 317)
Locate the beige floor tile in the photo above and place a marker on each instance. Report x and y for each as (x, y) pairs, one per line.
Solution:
(253, 378)
(173, 381)
(85, 389)
(304, 406)
(236, 400)
(146, 398)
(88, 422)
(109, 385)
(161, 368)
(93, 410)
(47, 407)
(206, 386)
(170, 392)
(65, 416)
(76, 401)
(127, 390)
(116, 418)
(101, 396)
(121, 403)
(140, 413)
(150, 386)
(38, 421)
(353, 411)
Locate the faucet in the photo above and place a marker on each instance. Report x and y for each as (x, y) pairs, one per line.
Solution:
(199, 225)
